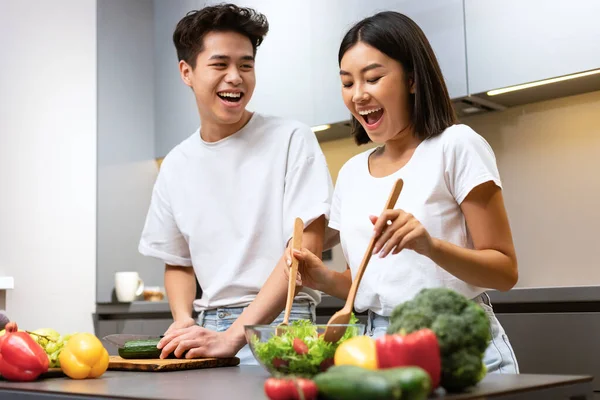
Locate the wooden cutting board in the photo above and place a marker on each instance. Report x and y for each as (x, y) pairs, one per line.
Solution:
(174, 364)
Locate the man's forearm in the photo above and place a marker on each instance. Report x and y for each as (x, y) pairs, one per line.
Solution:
(271, 299)
(180, 284)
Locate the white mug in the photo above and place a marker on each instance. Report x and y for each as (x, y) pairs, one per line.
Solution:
(128, 286)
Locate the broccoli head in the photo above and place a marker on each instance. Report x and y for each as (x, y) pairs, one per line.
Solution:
(461, 326)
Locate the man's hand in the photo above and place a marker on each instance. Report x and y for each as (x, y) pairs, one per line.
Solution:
(197, 342)
(181, 324)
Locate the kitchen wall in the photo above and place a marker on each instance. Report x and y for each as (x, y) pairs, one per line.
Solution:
(48, 161)
(126, 166)
(549, 159)
(337, 152)
(176, 116)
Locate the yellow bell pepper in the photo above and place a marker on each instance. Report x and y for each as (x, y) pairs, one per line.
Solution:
(359, 351)
(83, 357)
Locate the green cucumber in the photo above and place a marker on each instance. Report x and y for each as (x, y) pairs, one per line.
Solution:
(355, 383)
(352, 382)
(137, 349)
(414, 382)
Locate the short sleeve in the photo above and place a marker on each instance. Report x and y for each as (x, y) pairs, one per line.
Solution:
(334, 214)
(469, 161)
(161, 237)
(308, 186)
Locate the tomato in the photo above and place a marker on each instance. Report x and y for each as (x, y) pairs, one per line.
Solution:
(359, 351)
(299, 346)
(288, 389)
(326, 364)
(279, 363)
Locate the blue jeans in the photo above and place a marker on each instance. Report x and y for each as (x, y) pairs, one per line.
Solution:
(222, 318)
(499, 357)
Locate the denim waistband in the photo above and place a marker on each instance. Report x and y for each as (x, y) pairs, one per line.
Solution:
(222, 312)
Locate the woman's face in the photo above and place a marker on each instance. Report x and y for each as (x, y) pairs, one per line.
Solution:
(375, 90)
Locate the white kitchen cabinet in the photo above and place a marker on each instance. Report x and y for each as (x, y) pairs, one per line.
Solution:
(283, 60)
(512, 42)
(330, 20)
(441, 20)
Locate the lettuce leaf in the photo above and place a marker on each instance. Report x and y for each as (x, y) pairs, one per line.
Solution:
(278, 353)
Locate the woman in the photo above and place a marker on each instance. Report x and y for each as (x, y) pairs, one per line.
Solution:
(449, 227)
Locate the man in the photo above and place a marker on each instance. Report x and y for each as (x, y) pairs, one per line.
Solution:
(225, 200)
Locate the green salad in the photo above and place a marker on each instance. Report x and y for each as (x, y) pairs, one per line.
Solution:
(301, 350)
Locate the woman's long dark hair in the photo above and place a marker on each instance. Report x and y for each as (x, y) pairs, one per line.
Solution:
(400, 38)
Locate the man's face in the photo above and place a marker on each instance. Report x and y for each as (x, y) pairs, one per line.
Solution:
(223, 80)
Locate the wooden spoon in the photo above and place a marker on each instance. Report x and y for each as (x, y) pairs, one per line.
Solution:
(334, 333)
(296, 245)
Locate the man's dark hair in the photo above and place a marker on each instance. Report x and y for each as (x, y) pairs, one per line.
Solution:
(400, 38)
(190, 31)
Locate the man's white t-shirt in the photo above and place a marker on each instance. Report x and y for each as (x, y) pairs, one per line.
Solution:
(437, 178)
(227, 208)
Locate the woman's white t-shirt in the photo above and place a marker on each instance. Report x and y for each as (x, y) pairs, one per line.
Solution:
(437, 178)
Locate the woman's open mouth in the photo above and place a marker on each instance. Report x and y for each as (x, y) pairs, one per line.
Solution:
(230, 98)
(372, 117)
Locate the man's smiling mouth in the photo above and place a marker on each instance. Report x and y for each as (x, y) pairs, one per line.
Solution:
(231, 97)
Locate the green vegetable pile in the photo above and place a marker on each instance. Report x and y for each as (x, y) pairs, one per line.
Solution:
(287, 355)
(461, 326)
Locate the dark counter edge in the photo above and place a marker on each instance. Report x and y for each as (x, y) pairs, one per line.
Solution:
(577, 295)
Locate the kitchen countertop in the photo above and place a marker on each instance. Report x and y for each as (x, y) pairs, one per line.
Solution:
(518, 295)
(246, 382)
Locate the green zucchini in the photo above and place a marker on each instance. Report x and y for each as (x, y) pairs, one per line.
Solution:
(414, 381)
(350, 383)
(137, 349)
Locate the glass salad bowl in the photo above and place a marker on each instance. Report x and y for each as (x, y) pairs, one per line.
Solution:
(300, 349)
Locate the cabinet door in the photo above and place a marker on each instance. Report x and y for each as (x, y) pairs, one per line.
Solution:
(511, 42)
(535, 338)
(441, 20)
(283, 61)
(330, 20)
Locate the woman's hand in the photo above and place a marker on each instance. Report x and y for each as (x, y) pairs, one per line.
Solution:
(312, 272)
(400, 230)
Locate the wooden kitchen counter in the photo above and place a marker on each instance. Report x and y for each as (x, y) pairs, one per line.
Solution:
(246, 382)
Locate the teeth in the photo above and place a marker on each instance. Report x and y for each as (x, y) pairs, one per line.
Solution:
(227, 94)
(366, 112)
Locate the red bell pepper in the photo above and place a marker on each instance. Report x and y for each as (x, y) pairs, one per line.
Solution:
(21, 358)
(420, 348)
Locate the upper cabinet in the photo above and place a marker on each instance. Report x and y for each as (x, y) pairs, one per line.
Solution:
(443, 23)
(330, 20)
(512, 42)
(283, 61)
(441, 20)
